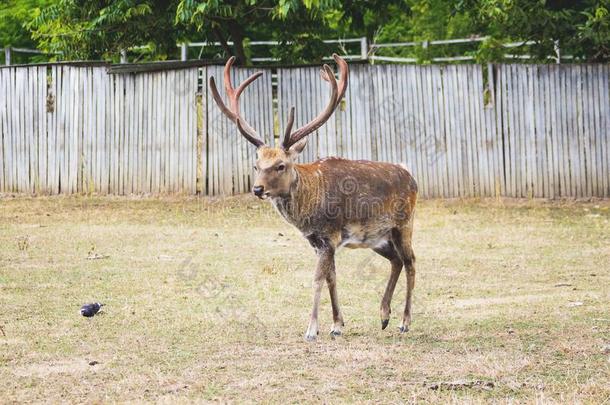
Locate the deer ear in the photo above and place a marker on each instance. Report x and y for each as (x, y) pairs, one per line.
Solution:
(298, 147)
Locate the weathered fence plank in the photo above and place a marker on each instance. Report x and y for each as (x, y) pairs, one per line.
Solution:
(604, 103)
(3, 130)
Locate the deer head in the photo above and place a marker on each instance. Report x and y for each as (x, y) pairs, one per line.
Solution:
(275, 165)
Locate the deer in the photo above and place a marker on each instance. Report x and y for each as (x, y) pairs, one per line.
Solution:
(333, 202)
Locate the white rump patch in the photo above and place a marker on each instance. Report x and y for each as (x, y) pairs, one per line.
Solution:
(404, 166)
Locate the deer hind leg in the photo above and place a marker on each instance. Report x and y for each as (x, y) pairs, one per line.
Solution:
(402, 242)
(389, 252)
(331, 280)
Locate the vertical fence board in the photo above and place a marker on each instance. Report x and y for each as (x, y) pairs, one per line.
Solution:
(513, 129)
(584, 150)
(552, 130)
(589, 132)
(32, 131)
(604, 104)
(62, 103)
(416, 135)
(19, 90)
(191, 150)
(8, 137)
(502, 125)
(76, 117)
(3, 131)
(496, 127)
(472, 134)
(480, 158)
(180, 163)
(5, 156)
(202, 122)
(439, 147)
(540, 129)
(18, 118)
(461, 134)
(451, 128)
(147, 113)
(428, 144)
(519, 82)
(570, 135)
(561, 115)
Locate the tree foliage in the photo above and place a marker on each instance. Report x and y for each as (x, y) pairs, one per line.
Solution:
(93, 29)
(101, 28)
(579, 28)
(300, 23)
(13, 15)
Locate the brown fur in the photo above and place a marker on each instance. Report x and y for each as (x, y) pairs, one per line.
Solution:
(337, 202)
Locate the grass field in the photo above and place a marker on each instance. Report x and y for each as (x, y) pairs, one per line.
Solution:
(209, 299)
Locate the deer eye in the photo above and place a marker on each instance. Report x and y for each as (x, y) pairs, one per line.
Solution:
(281, 168)
(255, 168)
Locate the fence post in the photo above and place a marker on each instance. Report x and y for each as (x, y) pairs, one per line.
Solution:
(123, 56)
(184, 51)
(7, 56)
(491, 85)
(364, 48)
(557, 51)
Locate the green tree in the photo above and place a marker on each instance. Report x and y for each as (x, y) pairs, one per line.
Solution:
(94, 29)
(101, 28)
(302, 23)
(594, 33)
(86, 29)
(580, 28)
(91, 29)
(426, 20)
(14, 15)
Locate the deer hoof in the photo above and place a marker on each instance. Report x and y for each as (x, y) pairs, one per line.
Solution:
(335, 333)
(310, 338)
(403, 329)
(384, 323)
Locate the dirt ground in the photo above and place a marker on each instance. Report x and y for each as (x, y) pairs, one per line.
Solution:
(208, 299)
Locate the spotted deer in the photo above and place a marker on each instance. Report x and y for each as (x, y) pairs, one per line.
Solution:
(333, 202)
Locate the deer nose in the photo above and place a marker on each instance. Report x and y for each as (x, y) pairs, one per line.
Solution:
(258, 190)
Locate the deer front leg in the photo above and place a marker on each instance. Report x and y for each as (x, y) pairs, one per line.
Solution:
(331, 280)
(326, 263)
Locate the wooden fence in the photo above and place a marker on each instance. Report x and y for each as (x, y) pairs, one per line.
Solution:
(463, 130)
(73, 129)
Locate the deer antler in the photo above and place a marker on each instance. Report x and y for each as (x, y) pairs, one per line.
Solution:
(233, 112)
(337, 93)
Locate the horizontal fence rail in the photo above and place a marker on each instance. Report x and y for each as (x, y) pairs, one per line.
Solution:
(463, 130)
(361, 49)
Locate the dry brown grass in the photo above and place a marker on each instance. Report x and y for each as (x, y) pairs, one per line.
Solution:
(206, 300)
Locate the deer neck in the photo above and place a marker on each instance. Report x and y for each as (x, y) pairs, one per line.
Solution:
(304, 199)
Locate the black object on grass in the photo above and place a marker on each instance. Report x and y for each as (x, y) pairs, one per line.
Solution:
(89, 310)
